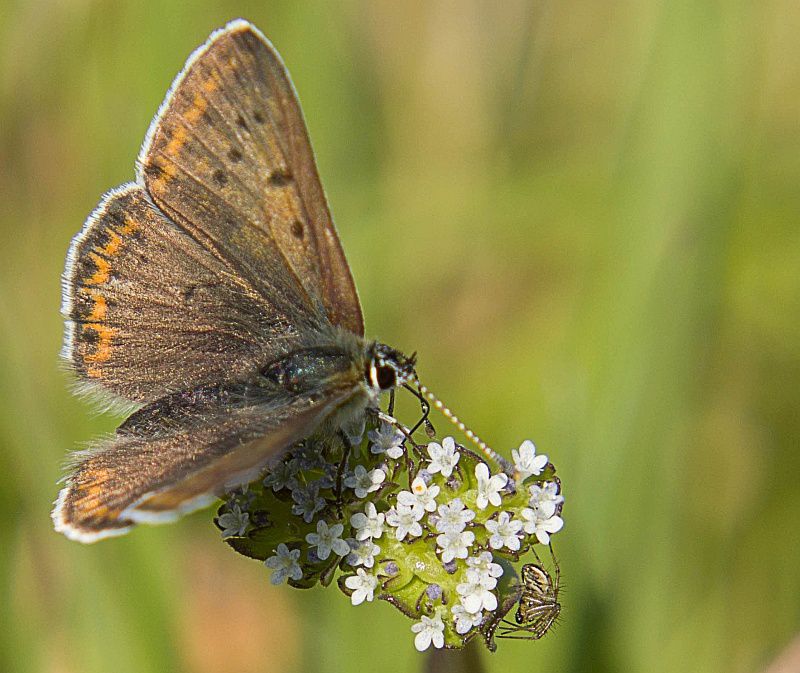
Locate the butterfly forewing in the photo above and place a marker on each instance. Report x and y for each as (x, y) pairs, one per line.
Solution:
(150, 311)
(228, 157)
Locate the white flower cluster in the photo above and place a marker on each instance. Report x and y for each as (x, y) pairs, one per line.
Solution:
(362, 520)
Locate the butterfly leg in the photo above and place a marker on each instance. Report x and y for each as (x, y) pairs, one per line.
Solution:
(426, 410)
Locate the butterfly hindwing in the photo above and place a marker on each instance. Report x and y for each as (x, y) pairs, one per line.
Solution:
(228, 157)
(155, 472)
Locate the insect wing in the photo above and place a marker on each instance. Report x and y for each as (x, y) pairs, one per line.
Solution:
(158, 472)
(228, 157)
(150, 311)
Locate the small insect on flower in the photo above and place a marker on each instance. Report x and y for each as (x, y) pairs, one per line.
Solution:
(538, 604)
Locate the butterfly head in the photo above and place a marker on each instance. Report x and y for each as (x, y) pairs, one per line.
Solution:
(388, 368)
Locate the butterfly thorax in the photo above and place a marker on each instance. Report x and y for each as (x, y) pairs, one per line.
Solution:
(305, 370)
(377, 366)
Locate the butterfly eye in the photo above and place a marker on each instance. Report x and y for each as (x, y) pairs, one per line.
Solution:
(384, 377)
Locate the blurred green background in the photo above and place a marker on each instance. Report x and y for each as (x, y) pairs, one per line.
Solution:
(584, 216)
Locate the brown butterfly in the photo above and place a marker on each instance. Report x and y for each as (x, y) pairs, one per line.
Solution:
(214, 294)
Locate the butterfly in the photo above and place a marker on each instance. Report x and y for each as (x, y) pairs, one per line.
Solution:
(538, 606)
(213, 293)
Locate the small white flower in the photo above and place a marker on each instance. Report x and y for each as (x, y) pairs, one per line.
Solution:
(363, 482)
(328, 539)
(234, 522)
(488, 487)
(282, 475)
(406, 520)
(443, 457)
(368, 524)
(307, 501)
(465, 620)
(455, 545)
(386, 439)
(421, 496)
(482, 570)
(429, 630)
(526, 461)
(474, 596)
(284, 564)
(537, 522)
(480, 578)
(545, 498)
(504, 532)
(363, 553)
(363, 586)
(453, 517)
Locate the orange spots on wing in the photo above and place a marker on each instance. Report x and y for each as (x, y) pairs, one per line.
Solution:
(112, 246)
(180, 135)
(92, 507)
(130, 226)
(168, 167)
(101, 256)
(210, 85)
(100, 276)
(199, 105)
(99, 309)
(177, 141)
(95, 488)
(104, 336)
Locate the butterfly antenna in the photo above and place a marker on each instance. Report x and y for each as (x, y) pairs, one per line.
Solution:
(487, 451)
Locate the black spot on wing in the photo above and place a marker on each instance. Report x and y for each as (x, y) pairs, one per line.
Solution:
(280, 178)
(220, 177)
